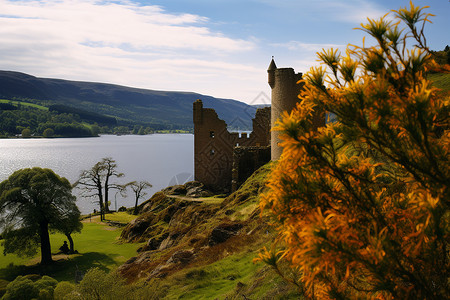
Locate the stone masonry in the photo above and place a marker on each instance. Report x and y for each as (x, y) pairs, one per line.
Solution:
(224, 160)
(214, 145)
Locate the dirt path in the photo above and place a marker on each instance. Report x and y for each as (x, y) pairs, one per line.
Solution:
(200, 200)
(188, 198)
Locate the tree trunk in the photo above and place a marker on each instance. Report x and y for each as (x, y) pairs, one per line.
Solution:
(100, 202)
(46, 251)
(69, 237)
(107, 193)
(136, 207)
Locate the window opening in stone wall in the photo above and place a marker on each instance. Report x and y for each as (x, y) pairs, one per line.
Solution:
(212, 152)
(211, 134)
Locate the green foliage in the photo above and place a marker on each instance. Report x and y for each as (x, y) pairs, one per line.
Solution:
(26, 239)
(3, 285)
(95, 129)
(31, 200)
(17, 104)
(28, 118)
(48, 132)
(26, 133)
(24, 288)
(97, 284)
(63, 290)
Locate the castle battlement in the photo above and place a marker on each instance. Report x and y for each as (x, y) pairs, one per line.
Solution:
(224, 160)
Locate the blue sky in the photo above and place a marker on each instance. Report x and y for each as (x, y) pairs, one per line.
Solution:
(218, 47)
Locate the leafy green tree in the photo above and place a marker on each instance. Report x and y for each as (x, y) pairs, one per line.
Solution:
(26, 133)
(135, 129)
(31, 201)
(362, 204)
(138, 189)
(95, 129)
(69, 223)
(141, 131)
(48, 133)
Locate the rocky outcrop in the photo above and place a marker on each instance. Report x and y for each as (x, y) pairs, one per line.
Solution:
(180, 232)
(223, 232)
(193, 189)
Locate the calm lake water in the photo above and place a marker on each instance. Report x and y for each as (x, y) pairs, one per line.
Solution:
(161, 159)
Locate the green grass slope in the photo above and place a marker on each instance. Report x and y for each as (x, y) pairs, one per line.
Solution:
(98, 245)
(185, 256)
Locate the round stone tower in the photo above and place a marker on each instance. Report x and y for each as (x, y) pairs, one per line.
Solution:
(285, 91)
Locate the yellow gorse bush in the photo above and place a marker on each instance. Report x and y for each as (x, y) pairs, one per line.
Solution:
(361, 205)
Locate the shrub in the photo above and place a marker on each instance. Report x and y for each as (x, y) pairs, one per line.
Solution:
(97, 284)
(361, 204)
(63, 290)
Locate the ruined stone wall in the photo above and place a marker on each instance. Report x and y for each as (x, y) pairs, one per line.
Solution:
(214, 145)
(247, 160)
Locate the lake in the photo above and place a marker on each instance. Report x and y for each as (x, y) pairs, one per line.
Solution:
(161, 159)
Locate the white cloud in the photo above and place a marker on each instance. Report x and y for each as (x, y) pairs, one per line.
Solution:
(349, 11)
(296, 45)
(119, 42)
(353, 11)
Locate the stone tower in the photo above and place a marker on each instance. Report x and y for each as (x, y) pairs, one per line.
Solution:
(285, 91)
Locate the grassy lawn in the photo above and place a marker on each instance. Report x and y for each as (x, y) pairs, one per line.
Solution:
(24, 104)
(122, 217)
(98, 246)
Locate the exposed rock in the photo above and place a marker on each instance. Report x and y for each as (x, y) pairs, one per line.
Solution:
(229, 212)
(197, 192)
(135, 229)
(181, 256)
(196, 189)
(155, 242)
(175, 190)
(193, 184)
(169, 241)
(223, 232)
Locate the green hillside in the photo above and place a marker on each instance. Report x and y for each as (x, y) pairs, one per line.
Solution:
(187, 248)
(130, 106)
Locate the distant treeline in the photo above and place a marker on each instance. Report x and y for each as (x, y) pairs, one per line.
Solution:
(31, 118)
(91, 117)
(16, 119)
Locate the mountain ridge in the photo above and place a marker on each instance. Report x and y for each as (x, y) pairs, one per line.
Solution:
(128, 104)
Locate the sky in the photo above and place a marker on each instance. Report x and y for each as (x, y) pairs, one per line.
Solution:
(220, 48)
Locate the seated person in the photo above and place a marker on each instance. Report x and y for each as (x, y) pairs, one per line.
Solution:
(64, 248)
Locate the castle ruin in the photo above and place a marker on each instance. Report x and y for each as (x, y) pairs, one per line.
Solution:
(223, 160)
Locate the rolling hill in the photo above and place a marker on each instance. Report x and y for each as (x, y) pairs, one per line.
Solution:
(128, 105)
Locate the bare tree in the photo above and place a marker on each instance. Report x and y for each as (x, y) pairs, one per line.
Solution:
(138, 190)
(110, 170)
(95, 182)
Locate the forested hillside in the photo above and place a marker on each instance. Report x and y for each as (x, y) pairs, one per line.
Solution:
(19, 118)
(156, 109)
